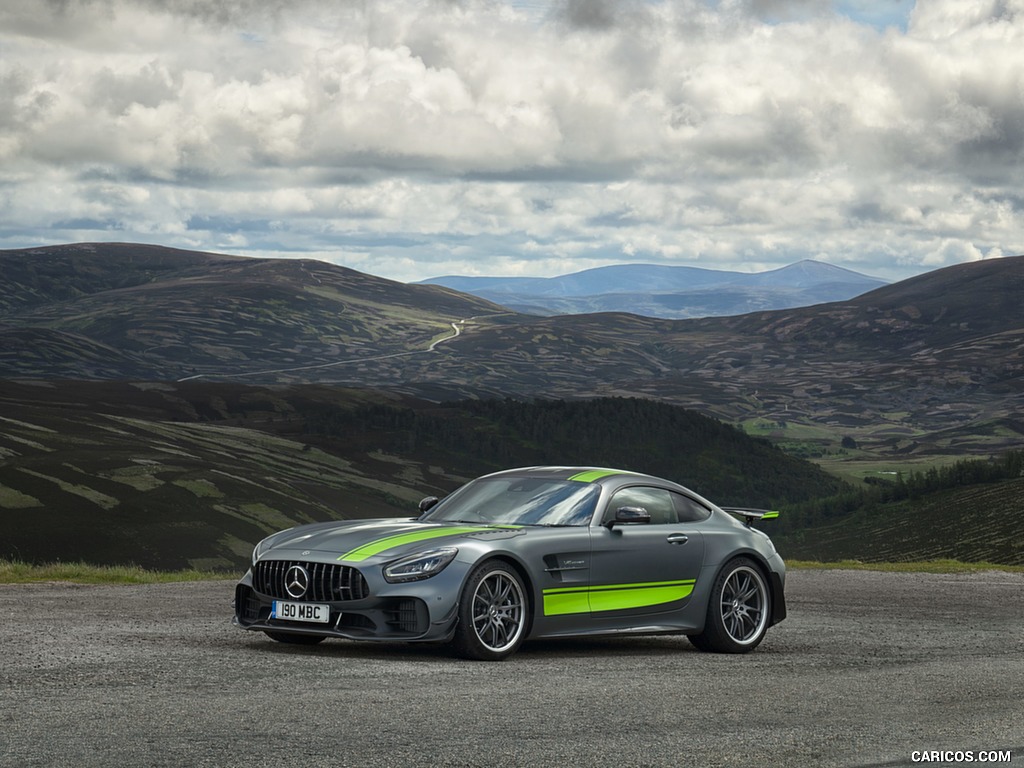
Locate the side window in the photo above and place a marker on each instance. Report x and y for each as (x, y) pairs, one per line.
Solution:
(656, 501)
(688, 510)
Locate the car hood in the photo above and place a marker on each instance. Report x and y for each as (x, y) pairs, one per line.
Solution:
(360, 541)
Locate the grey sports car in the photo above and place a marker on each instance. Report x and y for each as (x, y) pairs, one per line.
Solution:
(525, 553)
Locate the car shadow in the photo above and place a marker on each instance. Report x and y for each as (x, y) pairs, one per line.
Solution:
(548, 648)
(648, 645)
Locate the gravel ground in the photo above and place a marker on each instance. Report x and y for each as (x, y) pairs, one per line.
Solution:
(868, 669)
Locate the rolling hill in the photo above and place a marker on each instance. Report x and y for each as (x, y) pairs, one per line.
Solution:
(931, 365)
(112, 310)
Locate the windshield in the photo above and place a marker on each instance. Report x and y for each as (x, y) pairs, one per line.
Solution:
(518, 501)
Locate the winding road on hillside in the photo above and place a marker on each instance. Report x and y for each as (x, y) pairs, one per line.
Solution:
(457, 327)
(870, 669)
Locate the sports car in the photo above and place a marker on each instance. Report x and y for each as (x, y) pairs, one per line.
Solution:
(538, 552)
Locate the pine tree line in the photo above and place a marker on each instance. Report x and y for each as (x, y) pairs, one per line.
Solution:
(713, 458)
(913, 485)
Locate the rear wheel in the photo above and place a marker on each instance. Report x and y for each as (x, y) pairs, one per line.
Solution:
(738, 610)
(492, 614)
(288, 637)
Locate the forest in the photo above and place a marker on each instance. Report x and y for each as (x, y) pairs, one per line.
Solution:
(876, 492)
(712, 458)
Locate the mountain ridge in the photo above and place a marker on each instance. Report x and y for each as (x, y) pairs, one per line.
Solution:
(658, 290)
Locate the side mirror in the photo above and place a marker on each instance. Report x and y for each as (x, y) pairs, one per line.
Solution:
(427, 503)
(629, 516)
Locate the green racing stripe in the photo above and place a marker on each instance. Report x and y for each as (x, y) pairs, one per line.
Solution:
(594, 474)
(390, 542)
(561, 601)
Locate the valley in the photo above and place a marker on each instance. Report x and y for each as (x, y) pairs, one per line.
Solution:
(177, 405)
(929, 367)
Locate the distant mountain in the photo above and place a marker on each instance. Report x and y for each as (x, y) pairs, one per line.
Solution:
(670, 292)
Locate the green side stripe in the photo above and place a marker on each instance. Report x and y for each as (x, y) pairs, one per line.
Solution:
(564, 604)
(594, 474)
(769, 515)
(389, 542)
(613, 597)
(630, 585)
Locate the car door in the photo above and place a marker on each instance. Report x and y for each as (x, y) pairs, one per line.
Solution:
(644, 568)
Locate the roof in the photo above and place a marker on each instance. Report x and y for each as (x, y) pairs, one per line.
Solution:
(581, 474)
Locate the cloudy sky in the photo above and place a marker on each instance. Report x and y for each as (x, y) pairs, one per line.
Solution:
(413, 139)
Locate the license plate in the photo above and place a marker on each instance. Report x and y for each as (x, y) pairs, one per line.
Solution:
(314, 612)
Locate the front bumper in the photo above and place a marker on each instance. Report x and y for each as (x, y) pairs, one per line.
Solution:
(413, 612)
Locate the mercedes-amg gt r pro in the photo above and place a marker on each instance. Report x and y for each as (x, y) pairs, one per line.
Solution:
(526, 553)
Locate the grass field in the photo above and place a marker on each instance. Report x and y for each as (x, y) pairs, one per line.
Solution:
(854, 469)
(15, 572)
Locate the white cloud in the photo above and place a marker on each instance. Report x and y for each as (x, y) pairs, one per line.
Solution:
(409, 138)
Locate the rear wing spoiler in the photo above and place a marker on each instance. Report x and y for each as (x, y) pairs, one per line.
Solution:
(749, 515)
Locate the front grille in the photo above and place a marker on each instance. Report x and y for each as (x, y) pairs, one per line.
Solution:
(327, 582)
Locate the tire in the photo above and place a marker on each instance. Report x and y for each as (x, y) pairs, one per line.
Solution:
(738, 610)
(493, 614)
(290, 639)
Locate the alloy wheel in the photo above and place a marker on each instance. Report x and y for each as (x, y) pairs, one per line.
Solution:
(498, 611)
(744, 603)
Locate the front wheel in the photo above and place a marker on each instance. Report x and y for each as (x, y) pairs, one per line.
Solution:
(492, 614)
(738, 610)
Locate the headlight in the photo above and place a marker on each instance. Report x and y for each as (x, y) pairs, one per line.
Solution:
(422, 565)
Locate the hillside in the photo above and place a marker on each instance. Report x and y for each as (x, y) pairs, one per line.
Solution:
(194, 474)
(972, 524)
(127, 311)
(932, 365)
(663, 291)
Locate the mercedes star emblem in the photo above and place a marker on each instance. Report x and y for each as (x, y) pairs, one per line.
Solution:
(296, 581)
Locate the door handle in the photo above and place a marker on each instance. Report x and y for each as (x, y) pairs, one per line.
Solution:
(677, 538)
